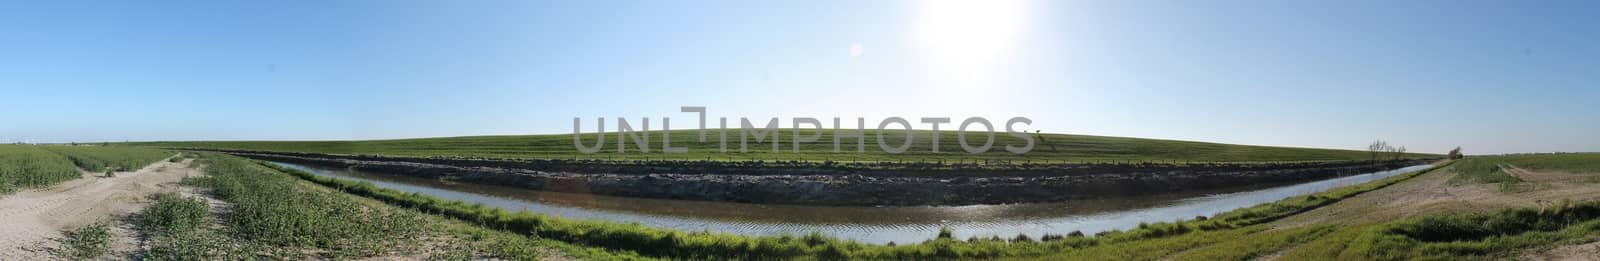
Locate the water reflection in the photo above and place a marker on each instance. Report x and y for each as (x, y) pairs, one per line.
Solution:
(866, 224)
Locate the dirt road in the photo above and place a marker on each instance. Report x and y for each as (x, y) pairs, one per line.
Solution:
(34, 219)
(1433, 194)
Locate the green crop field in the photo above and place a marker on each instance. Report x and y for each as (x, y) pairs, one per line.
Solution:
(96, 158)
(24, 166)
(31, 166)
(1048, 148)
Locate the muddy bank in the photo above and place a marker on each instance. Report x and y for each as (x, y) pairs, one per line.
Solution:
(825, 186)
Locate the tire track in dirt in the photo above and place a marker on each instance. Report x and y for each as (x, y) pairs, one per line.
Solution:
(34, 219)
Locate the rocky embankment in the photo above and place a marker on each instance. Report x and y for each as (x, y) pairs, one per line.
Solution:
(886, 184)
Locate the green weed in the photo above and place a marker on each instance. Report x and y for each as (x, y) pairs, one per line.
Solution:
(87, 242)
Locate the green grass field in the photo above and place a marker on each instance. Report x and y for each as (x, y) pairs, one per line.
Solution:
(1048, 148)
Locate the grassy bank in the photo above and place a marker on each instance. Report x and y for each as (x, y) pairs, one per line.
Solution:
(1048, 148)
(665, 243)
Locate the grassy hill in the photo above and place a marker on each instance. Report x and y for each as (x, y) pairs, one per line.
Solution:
(1048, 148)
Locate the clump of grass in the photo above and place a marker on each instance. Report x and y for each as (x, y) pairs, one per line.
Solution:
(173, 214)
(175, 226)
(87, 242)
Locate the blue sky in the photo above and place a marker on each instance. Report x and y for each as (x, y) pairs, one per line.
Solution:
(1491, 76)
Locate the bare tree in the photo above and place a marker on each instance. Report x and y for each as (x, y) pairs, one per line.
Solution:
(1376, 148)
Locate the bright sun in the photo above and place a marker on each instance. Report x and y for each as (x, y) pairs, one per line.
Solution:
(964, 38)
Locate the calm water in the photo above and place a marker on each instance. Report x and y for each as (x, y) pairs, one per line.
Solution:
(866, 224)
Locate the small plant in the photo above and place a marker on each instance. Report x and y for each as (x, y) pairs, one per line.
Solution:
(111, 174)
(87, 242)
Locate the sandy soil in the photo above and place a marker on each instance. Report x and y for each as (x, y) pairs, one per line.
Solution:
(35, 219)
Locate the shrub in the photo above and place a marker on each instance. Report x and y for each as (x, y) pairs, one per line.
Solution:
(173, 214)
(87, 242)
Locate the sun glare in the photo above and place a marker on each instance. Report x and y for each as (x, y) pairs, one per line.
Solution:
(966, 38)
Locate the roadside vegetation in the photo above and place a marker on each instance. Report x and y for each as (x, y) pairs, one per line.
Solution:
(27, 166)
(170, 221)
(1048, 148)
